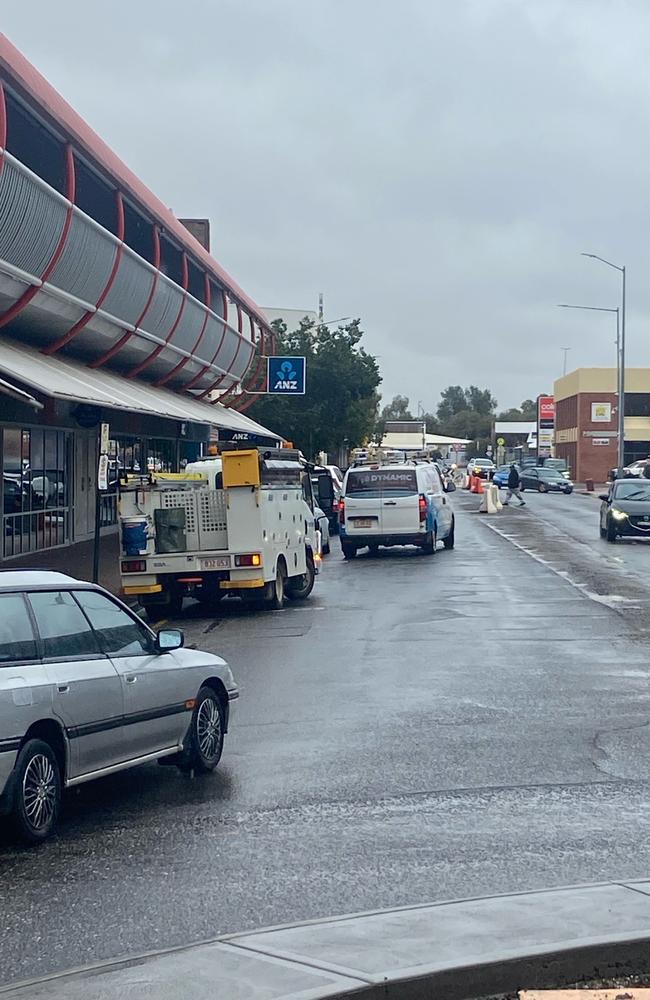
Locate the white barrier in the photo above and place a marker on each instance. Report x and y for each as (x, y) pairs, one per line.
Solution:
(490, 503)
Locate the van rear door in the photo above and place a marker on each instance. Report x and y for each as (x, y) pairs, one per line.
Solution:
(381, 502)
(399, 502)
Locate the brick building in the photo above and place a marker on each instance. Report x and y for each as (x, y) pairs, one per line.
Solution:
(587, 416)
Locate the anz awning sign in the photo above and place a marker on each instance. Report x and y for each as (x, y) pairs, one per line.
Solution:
(286, 376)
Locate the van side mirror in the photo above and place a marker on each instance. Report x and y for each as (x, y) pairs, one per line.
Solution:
(604, 496)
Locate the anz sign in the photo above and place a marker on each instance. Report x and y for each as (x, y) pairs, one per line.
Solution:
(286, 376)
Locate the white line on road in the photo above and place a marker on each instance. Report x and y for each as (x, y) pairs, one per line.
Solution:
(614, 601)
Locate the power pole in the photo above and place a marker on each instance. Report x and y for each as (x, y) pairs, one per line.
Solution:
(320, 307)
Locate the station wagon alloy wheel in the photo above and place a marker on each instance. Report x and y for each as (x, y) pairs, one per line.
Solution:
(39, 792)
(208, 727)
(204, 740)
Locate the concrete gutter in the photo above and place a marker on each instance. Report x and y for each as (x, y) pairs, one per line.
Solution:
(468, 948)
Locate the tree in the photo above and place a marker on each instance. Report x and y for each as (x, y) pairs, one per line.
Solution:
(341, 401)
(525, 411)
(397, 409)
(467, 413)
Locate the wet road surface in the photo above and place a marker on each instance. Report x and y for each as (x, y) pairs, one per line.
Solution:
(422, 728)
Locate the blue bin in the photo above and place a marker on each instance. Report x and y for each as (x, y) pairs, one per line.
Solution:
(134, 535)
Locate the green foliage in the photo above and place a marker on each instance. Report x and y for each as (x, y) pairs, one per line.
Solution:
(341, 402)
(525, 411)
(398, 409)
(467, 413)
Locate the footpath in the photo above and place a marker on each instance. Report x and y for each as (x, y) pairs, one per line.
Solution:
(468, 948)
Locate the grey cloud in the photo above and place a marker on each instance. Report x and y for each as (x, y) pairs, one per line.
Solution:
(433, 167)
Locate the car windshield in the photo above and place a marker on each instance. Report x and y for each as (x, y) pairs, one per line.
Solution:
(638, 490)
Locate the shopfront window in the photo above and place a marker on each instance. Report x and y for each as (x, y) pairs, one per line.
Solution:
(36, 476)
(161, 455)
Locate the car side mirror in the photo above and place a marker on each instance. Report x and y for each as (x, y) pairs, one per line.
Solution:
(604, 496)
(168, 639)
(450, 486)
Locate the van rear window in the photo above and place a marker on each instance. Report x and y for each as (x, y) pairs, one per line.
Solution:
(382, 482)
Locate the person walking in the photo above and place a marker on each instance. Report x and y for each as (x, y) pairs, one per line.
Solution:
(514, 484)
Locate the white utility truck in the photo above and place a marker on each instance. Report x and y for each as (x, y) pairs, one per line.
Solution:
(242, 523)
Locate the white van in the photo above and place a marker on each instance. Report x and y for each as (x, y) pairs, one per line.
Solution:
(401, 504)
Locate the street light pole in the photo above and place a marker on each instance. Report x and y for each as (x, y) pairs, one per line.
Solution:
(621, 355)
(566, 351)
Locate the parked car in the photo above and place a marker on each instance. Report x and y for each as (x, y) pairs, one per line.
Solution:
(323, 525)
(625, 510)
(482, 467)
(89, 689)
(545, 481)
(402, 504)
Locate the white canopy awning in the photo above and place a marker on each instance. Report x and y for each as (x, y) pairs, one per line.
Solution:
(60, 378)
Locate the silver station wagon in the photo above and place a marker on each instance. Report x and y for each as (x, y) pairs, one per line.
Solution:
(86, 689)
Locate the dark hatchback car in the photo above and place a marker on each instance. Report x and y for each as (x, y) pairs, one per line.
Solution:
(625, 510)
(545, 481)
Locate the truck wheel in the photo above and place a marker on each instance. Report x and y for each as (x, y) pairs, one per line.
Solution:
(37, 791)
(349, 551)
(300, 587)
(277, 588)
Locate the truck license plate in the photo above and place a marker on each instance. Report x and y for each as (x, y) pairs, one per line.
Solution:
(219, 562)
(363, 522)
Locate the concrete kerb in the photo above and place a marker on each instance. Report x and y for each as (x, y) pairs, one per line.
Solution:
(461, 949)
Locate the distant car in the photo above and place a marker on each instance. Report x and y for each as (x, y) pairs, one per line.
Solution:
(559, 465)
(636, 469)
(545, 481)
(500, 477)
(337, 476)
(625, 510)
(88, 689)
(323, 525)
(482, 467)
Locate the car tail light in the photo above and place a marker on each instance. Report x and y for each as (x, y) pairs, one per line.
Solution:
(134, 566)
(335, 505)
(422, 504)
(249, 559)
(341, 511)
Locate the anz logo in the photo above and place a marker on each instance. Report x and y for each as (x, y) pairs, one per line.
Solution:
(286, 376)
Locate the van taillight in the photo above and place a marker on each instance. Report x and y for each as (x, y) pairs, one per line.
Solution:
(422, 503)
(341, 511)
(335, 505)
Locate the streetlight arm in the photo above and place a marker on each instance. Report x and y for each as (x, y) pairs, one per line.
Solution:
(595, 256)
(601, 309)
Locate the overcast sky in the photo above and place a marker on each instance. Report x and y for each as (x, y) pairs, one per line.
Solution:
(433, 166)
